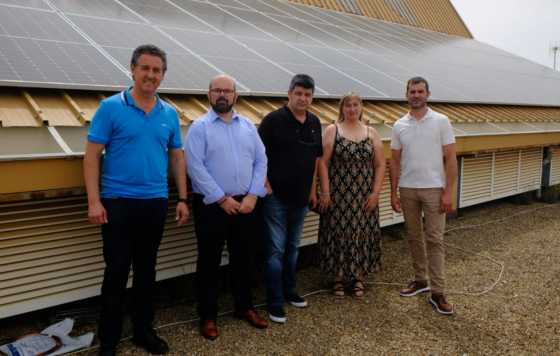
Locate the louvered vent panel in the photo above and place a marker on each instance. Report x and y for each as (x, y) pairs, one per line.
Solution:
(531, 169)
(555, 166)
(476, 180)
(506, 174)
(497, 175)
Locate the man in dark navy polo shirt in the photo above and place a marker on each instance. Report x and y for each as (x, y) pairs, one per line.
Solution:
(292, 138)
(140, 135)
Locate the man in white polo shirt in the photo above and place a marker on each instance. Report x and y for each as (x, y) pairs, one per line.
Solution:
(424, 168)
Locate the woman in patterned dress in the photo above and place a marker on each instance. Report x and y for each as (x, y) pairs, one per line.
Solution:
(351, 175)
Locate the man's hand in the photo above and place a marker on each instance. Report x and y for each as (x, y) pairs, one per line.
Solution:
(446, 204)
(97, 213)
(248, 204)
(371, 202)
(268, 187)
(396, 203)
(230, 206)
(181, 213)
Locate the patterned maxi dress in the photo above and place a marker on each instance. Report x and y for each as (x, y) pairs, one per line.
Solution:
(349, 237)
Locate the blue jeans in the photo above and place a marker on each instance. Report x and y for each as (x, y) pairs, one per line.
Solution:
(283, 224)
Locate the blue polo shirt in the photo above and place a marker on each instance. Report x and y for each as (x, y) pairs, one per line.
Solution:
(136, 146)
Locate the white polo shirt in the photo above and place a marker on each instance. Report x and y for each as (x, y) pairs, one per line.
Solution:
(422, 144)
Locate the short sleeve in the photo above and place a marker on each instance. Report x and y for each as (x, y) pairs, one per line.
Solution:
(101, 125)
(446, 132)
(395, 138)
(175, 139)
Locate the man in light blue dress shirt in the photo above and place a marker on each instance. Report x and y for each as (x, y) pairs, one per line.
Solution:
(227, 167)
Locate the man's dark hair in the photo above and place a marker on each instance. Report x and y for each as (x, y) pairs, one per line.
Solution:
(152, 51)
(302, 80)
(417, 80)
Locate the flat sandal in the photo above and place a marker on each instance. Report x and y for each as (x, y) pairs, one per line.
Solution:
(358, 289)
(338, 289)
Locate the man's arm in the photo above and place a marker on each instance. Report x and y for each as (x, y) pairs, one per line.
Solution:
(258, 180)
(395, 173)
(96, 212)
(195, 148)
(177, 162)
(313, 192)
(450, 162)
(266, 138)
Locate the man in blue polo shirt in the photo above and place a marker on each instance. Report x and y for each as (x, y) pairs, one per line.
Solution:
(140, 135)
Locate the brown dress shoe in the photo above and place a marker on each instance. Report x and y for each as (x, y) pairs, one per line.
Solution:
(209, 330)
(414, 288)
(253, 318)
(441, 305)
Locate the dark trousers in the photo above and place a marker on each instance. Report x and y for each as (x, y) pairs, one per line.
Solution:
(213, 227)
(132, 236)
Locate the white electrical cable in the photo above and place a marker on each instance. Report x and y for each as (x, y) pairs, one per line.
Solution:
(319, 291)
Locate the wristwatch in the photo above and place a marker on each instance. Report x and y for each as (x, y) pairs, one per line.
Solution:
(182, 200)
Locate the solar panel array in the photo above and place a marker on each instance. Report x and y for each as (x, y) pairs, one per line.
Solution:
(87, 44)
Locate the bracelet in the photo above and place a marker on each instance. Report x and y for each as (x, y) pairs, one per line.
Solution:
(182, 200)
(324, 194)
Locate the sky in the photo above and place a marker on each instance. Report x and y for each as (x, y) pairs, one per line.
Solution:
(527, 28)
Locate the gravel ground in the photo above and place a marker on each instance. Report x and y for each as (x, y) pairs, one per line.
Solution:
(517, 317)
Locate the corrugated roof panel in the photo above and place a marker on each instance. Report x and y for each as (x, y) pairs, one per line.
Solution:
(55, 111)
(15, 110)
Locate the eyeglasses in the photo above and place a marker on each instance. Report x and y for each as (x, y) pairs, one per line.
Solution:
(222, 91)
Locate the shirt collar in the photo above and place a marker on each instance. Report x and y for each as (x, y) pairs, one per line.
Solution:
(426, 116)
(127, 98)
(214, 116)
(293, 117)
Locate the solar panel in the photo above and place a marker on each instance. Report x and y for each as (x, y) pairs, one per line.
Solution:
(262, 44)
(281, 8)
(36, 4)
(165, 14)
(318, 32)
(261, 23)
(37, 61)
(109, 9)
(37, 24)
(113, 33)
(180, 77)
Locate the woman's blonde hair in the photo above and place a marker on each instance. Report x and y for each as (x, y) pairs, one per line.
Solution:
(344, 99)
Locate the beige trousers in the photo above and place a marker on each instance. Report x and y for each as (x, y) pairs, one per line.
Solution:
(426, 242)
